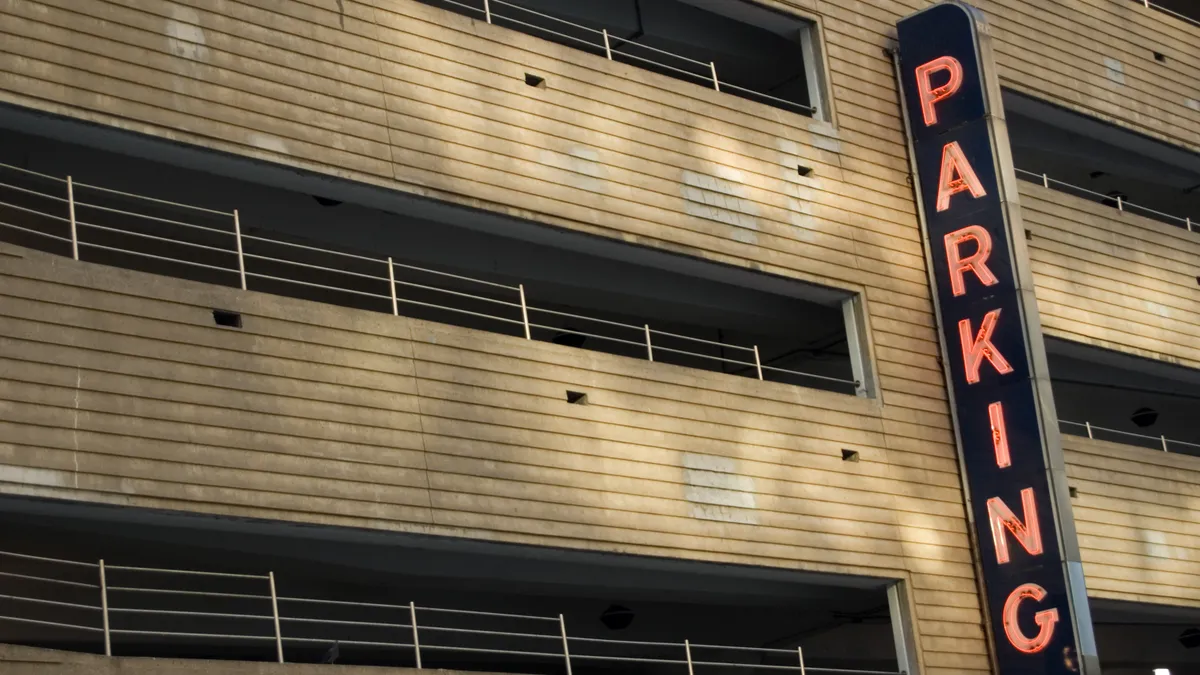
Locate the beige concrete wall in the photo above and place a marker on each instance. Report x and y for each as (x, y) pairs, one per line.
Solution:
(1137, 512)
(1113, 279)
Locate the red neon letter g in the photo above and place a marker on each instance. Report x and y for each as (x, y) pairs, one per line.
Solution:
(930, 94)
(1045, 619)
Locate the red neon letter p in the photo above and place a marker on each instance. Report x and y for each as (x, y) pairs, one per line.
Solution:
(930, 94)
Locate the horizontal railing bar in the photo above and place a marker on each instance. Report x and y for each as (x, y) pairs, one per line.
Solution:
(345, 622)
(36, 212)
(698, 76)
(44, 559)
(586, 318)
(344, 603)
(316, 267)
(1125, 203)
(78, 584)
(696, 339)
(315, 249)
(455, 276)
(844, 671)
(1175, 14)
(659, 348)
(459, 293)
(812, 375)
(484, 650)
(207, 594)
(316, 285)
(358, 643)
(156, 257)
(130, 631)
(158, 570)
(641, 345)
(34, 192)
(152, 199)
(39, 622)
(179, 242)
(478, 631)
(177, 612)
(37, 232)
(461, 311)
(640, 643)
(56, 603)
(1157, 439)
(544, 16)
(809, 108)
(32, 172)
(156, 219)
(471, 612)
(768, 650)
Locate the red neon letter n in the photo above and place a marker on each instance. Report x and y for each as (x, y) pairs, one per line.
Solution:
(930, 94)
(1027, 534)
(979, 347)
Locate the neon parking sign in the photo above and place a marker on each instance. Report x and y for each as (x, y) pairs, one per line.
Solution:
(1024, 535)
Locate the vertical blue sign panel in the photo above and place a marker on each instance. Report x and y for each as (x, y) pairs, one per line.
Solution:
(986, 342)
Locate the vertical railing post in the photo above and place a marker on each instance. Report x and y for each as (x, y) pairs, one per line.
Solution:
(1164, 442)
(392, 284)
(237, 232)
(757, 362)
(1120, 203)
(1045, 181)
(687, 647)
(562, 625)
(649, 347)
(1189, 224)
(713, 66)
(104, 610)
(1089, 429)
(275, 613)
(412, 619)
(71, 213)
(607, 46)
(524, 312)
(487, 10)
(800, 652)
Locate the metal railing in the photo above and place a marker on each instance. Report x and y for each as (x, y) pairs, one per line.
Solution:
(1097, 432)
(604, 43)
(238, 258)
(1181, 17)
(1118, 201)
(221, 616)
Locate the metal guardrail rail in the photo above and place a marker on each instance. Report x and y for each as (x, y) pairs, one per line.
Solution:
(1121, 203)
(287, 620)
(1177, 15)
(225, 251)
(1097, 432)
(604, 43)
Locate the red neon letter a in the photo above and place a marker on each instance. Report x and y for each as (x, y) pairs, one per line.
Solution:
(1028, 534)
(976, 262)
(956, 176)
(979, 347)
(930, 94)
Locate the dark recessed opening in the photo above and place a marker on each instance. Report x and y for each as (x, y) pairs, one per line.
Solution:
(326, 201)
(849, 455)
(1029, 235)
(576, 397)
(1074, 492)
(804, 170)
(534, 80)
(1160, 57)
(229, 319)
(1097, 174)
